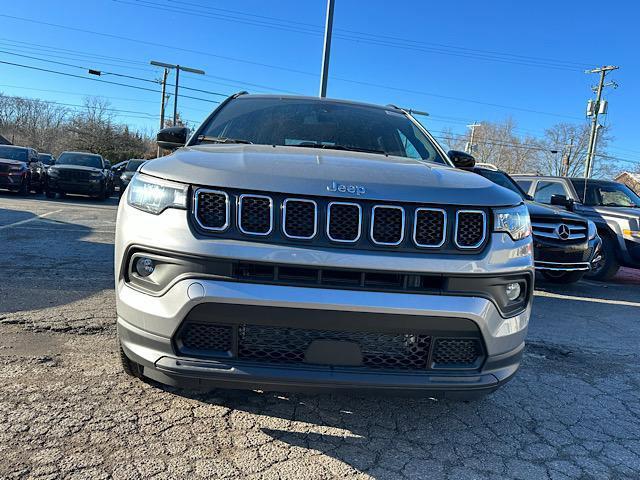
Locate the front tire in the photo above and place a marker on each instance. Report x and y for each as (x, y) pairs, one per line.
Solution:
(130, 367)
(608, 266)
(25, 187)
(50, 194)
(562, 277)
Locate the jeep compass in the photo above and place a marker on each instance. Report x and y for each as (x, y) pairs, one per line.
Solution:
(305, 243)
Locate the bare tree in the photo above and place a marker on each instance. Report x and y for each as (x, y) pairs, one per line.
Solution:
(564, 149)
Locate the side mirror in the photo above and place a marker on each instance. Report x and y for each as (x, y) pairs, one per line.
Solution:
(172, 137)
(107, 165)
(461, 159)
(562, 201)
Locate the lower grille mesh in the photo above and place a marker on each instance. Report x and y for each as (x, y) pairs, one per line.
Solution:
(288, 346)
(451, 352)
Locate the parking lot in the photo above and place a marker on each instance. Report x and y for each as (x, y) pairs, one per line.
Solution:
(67, 409)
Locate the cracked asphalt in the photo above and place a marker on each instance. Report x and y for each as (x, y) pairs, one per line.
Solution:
(68, 411)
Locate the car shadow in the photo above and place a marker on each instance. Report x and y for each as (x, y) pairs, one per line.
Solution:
(46, 262)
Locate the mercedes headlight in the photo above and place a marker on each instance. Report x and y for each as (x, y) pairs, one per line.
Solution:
(592, 231)
(514, 221)
(154, 195)
(53, 172)
(16, 168)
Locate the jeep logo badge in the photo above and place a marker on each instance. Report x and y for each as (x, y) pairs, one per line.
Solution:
(343, 188)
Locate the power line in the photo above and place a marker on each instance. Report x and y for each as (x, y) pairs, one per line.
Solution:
(27, 47)
(363, 37)
(31, 67)
(103, 72)
(235, 59)
(318, 28)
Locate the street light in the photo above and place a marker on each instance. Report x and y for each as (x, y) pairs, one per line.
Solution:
(177, 68)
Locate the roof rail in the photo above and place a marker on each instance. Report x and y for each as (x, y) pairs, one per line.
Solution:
(410, 111)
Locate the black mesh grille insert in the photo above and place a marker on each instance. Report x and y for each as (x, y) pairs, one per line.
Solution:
(456, 352)
(255, 214)
(300, 218)
(344, 222)
(212, 209)
(470, 229)
(201, 337)
(388, 225)
(430, 227)
(288, 345)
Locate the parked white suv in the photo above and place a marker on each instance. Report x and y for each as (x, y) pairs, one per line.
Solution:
(300, 242)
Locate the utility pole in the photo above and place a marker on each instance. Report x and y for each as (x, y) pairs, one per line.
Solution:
(162, 100)
(324, 74)
(177, 68)
(593, 110)
(469, 146)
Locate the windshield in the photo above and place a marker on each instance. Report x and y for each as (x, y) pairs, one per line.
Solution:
(503, 180)
(132, 165)
(82, 159)
(14, 153)
(319, 124)
(45, 158)
(607, 194)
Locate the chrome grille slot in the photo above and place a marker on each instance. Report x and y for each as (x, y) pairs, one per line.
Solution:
(255, 214)
(551, 229)
(299, 218)
(344, 222)
(387, 225)
(429, 228)
(470, 228)
(211, 209)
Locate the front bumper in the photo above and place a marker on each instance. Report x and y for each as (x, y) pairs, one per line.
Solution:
(560, 257)
(11, 181)
(147, 330)
(75, 187)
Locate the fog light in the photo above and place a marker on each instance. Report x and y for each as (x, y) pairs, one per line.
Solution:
(145, 266)
(512, 290)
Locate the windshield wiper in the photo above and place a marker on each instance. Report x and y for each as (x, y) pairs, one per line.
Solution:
(340, 147)
(206, 138)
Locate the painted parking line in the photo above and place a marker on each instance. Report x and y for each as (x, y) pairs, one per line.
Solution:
(38, 217)
(587, 299)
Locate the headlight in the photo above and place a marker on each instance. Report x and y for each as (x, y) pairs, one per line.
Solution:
(15, 168)
(96, 174)
(514, 221)
(154, 195)
(592, 231)
(53, 172)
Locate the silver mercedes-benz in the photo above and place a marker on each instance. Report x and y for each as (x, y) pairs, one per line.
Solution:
(307, 243)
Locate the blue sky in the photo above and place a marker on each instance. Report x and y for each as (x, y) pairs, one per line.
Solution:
(459, 60)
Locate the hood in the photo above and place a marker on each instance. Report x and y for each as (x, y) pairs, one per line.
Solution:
(622, 213)
(548, 211)
(75, 167)
(306, 171)
(8, 161)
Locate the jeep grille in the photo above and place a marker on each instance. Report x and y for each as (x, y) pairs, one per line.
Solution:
(325, 222)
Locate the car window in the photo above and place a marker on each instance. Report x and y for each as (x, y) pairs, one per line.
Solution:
(545, 190)
(319, 124)
(81, 159)
(524, 184)
(502, 179)
(132, 165)
(11, 153)
(608, 194)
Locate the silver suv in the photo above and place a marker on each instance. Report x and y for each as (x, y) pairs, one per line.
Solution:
(307, 243)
